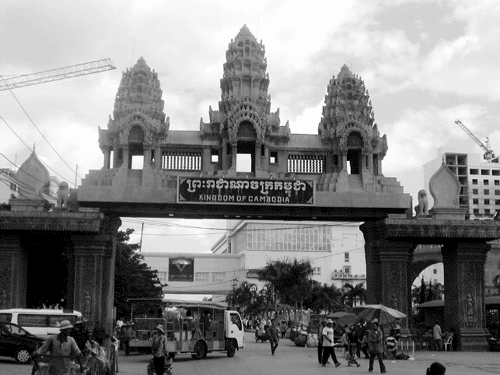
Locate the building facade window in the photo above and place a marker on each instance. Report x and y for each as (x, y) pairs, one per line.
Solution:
(475, 191)
(475, 201)
(347, 269)
(316, 271)
(486, 201)
(278, 237)
(434, 271)
(486, 182)
(218, 276)
(201, 277)
(486, 191)
(497, 192)
(474, 182)
(346, 257)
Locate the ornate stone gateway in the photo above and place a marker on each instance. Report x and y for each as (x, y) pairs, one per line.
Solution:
(334, 175)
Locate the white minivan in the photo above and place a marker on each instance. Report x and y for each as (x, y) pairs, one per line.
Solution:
(39, 322)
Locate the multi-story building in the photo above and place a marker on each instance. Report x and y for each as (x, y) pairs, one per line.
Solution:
(479, 181)
(336, 250)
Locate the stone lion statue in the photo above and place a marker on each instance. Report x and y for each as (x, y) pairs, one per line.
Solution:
(62, 195)
(421, 209)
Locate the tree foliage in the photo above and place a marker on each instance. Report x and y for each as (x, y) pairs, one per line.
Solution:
(133, 277)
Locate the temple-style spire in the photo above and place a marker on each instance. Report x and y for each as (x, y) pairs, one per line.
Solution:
(244, 87)
(139, 91)
(348, 106)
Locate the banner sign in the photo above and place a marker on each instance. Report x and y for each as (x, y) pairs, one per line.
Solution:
(245, 191)
(181, 269)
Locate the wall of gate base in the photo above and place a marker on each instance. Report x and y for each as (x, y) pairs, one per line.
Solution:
(88, 241)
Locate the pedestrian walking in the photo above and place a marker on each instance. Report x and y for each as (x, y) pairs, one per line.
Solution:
(376, 346)
(352, 339)
(62, 346)
(159, 349)
(322, 325)
(361, 346)
(127, 335)
(438, 337)
(283, 329)
(273, 336)
(328, 344)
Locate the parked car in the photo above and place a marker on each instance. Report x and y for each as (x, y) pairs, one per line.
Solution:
(17, 343)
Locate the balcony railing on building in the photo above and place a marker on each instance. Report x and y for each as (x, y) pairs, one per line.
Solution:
(339, 274)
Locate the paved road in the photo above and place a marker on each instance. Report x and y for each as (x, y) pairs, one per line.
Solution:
(256, 359)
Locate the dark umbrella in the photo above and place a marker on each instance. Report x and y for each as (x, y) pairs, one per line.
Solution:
(384, 314)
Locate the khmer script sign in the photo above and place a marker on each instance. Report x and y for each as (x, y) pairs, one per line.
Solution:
(245, 191)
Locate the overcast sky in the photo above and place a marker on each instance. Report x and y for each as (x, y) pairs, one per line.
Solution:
(425, 64)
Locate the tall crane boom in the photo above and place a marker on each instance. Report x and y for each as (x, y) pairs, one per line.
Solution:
(56, 74)
(488, 152)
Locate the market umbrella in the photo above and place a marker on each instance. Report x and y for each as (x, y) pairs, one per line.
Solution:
(337, 315)
(384, 314)
(348, 319)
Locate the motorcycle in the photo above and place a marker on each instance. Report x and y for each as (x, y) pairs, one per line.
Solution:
(262, 337)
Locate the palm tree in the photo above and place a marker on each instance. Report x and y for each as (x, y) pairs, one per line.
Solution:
(288, 280)
(324, 298)
(358, 293)
(242, 297)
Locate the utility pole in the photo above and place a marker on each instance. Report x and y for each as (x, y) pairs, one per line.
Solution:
(140, 243)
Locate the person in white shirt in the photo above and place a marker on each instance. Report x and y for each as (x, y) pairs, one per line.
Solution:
(328, 348)
(438, 337)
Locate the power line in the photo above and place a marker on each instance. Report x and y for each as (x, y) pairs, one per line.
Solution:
(31, 150)
(36, 127)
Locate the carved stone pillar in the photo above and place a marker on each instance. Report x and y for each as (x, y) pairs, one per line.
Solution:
(158, 157)
(206, 160)
(125, 161)
(395, 262)
(147, 157)
(224, 156)
(344, 161)
(464, 309)
(234, 156)
(257, 157)
(370, 163)
(388, 265)
(106, 158)
(110, 225)
(13, 271)
(265, 165)
(88, 258)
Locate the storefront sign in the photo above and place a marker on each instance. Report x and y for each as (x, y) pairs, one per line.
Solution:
(245, 191)
(181, 269)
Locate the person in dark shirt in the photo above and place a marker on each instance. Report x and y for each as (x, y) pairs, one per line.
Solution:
(80, 334)
(99, 333)
(205, 320)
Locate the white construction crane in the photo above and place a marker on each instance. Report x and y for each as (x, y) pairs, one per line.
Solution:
(56, 74)
(488, 152)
